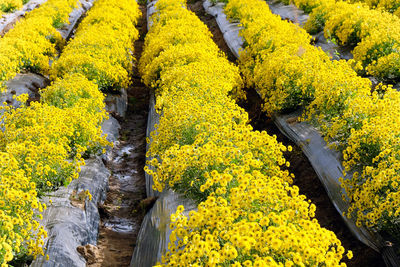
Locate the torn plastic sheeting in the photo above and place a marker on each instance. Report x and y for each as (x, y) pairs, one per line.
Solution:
(8, 20)
(327, 164)
(229, 30)
(153, 237)
(69, 224)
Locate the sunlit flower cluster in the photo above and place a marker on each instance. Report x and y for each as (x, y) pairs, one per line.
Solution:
(372, 151)
(289, 72)
(392, 6)
(32, 42)
(307, 5)
(374, 34)
(248, 212)
(7, 6)
(43, 144)
(105, 59)
(362, 124)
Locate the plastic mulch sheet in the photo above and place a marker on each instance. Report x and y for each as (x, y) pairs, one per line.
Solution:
(294, 14)
(288, 12)
(152, 119)
(74, 18)
(70, 224)
(153, 238)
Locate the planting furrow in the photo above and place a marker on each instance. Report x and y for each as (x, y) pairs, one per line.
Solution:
(126, 204)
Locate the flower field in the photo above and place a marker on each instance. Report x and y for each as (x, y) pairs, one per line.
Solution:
(33, 40)
(11, 5)
(373, 33)
(249, 212)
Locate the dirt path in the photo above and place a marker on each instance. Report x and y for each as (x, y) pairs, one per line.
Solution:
(123, 211)
(306, 178)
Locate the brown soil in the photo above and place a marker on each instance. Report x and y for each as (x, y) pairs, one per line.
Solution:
(123, 211)
(306, 178)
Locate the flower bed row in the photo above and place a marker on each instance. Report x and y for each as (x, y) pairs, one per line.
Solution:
(391, 6)
(280, 63)
(105, 59)
(32, 42)
(43, 144)
(248, 212)
(7, 6)
(374, 34)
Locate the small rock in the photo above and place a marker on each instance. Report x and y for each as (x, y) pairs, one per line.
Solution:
(78, 199)
(147, 203)
(90, 252)
(292, 120)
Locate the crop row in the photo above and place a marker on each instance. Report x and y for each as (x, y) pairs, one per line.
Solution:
(43, 144)
(392, 6)
(11, 5)
(32, 42)
(203, 147)
(279, 61)
(374, 34)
